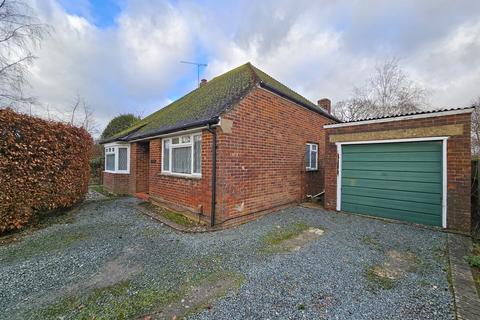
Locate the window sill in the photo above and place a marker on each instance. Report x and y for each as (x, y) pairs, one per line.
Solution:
(179, 175)
(116, 172)
(311, 170)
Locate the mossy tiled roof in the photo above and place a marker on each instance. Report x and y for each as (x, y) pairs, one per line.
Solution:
(207, 102)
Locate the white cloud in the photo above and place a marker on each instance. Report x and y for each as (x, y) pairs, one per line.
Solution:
(129, 68)
(318, 48)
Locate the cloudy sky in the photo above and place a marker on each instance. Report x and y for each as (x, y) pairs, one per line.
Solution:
(123, 56)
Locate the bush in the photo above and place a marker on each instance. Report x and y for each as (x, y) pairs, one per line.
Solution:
(44, 166)
(96, 168)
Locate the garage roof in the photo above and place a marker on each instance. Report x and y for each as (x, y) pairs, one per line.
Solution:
(403, 116)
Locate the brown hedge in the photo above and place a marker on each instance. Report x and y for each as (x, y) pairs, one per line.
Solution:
(44, 166)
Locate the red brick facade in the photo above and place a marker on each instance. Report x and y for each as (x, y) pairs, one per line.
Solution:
(193, 194)
(458, 161)
(116, 183)
(260, 162)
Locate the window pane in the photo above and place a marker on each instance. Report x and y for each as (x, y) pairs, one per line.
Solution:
(175, 140)
(307, 157)
(197, 154)
(110, 162)
(182, 160)
(122, 159)
(166, 155)
(185, 139)
(314, 159)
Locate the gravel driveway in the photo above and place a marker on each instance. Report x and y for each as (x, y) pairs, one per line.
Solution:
(112, 261)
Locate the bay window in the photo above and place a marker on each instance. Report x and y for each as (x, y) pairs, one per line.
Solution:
(311, 157)
(182, 155)
(117, 158)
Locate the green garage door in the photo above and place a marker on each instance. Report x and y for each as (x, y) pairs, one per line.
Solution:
(401, 181)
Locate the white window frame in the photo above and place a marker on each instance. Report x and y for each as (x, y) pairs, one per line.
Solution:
(181, 145)
(309, 166)
(112, 148)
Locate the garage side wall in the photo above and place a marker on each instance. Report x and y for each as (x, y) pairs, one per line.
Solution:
(456, 127)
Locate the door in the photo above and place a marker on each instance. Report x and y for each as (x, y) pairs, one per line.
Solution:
(401, 181)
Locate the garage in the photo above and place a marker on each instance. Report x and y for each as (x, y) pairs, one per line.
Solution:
(413, 167)
(401, 180)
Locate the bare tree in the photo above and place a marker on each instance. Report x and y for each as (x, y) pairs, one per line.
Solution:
(82, 115)
(20, 33)
(389, 91)
(476, 127)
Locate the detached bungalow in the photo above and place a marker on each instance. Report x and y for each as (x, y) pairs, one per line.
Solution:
(239, 146)
(243, 144)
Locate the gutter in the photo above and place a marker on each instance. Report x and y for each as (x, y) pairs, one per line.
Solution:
(303, 104)
(192, 125)
(213, 131)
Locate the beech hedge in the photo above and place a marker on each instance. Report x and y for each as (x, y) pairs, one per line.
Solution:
(44, 166)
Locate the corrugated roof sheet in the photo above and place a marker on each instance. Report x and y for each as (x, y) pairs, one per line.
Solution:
(405, 114)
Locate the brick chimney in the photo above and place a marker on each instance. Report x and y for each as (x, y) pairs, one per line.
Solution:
(203, 82)
(325, 104)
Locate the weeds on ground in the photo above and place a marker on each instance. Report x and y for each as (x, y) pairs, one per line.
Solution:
(178, 218)
(120, 301)
(40, 221)
(100, 189)
(279, 235)
(372, 242)
(474, 262)
(378, 280)
(171, 215)
(129, 300)
(43, 245)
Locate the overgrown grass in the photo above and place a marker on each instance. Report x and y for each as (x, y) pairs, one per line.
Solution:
(45, 244)
(100, 189)
(378, 280)
(178, 218)
(277, 236)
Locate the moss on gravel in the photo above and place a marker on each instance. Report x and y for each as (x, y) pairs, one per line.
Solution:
(178, 218)
(379, 281)
(42, 245)
(127, 300)
(120, 301)
(277, 236)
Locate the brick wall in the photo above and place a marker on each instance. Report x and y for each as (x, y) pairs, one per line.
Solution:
(261, 163)
(458, 159)
(116, 183)
(193, 194)
(139, 161)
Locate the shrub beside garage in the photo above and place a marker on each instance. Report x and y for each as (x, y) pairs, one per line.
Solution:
(44, 166)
